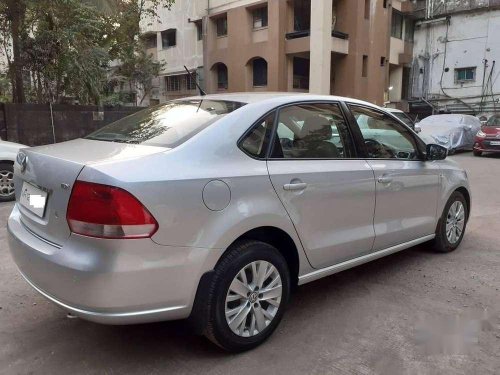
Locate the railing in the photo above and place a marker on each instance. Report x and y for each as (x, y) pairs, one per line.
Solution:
(304, 33)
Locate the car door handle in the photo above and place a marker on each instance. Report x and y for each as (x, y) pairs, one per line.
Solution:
(384, 179)
(295, 186)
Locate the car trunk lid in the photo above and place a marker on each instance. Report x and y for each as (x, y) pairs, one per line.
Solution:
(54, 169)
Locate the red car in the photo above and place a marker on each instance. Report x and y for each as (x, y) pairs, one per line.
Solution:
(488, 138)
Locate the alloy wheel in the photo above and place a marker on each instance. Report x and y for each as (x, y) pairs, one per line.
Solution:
(253, 298)
(455, 222)
(6, 183)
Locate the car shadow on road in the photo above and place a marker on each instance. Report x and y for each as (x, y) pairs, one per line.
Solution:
(165, 340)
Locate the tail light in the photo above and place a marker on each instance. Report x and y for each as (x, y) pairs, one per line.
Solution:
(104, 211)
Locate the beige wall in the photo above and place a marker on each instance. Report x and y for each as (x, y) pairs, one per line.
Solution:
(242, 44)
(366, 37)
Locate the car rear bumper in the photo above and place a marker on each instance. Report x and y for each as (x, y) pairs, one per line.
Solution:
(111, 281)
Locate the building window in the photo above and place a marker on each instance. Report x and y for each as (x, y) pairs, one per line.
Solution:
(397, 24)
(302, 15)
(191, 81)
(405, 83)
(150, 41)
(465, 75)
(382, 61)
(173, 83)
(367, 9)
(259, 16)
(199, 30)
(409, 29)
(221, 24)
(168, 38)
(300, 73)
(222, 81)
(364, 67)
(259, 69)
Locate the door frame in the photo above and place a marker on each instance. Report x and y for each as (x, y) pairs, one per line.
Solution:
(421, 146)
(358, 146)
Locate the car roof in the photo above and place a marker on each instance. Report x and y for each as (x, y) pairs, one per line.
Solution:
(255, 97)
(393, 110)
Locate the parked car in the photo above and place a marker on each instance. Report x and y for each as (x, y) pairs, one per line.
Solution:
(214, 208)
(8, 152)
(454, 131)
(401, 116)
(488, 138)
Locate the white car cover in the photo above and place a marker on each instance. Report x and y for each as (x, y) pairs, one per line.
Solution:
(455, 132)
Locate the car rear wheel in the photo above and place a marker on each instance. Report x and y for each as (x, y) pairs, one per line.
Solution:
(6, 182)
(247, 297)
(451, 227)
(477, 153)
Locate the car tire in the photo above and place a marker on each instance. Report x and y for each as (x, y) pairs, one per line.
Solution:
(7, 192)
(452, 224)
(241, 263)
(477, 153)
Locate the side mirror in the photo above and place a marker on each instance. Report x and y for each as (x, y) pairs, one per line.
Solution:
(418, 129)
(436, 152)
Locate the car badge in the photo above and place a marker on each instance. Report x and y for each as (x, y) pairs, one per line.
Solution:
(22, 160)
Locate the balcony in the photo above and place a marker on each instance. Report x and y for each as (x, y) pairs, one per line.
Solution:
(299, 41)
(401, 52)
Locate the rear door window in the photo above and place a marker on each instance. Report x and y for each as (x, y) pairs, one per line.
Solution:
(312, 131)
(166, 125)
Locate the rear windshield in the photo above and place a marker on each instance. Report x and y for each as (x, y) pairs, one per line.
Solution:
(493, 121)
(166, 125)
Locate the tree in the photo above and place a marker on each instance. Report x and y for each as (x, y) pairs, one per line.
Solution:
(58, 48)
(12, 20)
(136, 67)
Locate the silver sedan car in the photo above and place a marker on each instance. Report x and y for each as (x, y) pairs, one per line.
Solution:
(214, 208)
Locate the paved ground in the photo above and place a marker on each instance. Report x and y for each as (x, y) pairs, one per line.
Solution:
(415, 312)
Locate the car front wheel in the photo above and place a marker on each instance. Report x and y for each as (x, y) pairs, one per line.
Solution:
(6, 182)
(451, 227)
(247, 296)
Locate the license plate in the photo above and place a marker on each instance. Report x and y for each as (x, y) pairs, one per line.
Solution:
(33, 198)
(495, 143)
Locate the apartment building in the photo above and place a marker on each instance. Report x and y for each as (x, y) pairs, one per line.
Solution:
(339, 47)
(176, 39)
(401, 54)
(336, 47)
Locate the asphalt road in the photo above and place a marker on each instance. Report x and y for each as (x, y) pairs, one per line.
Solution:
(414, 312)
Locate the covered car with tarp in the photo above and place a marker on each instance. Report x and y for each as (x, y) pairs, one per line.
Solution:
(454, 131)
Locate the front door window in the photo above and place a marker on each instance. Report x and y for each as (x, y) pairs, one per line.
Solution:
(384, 137)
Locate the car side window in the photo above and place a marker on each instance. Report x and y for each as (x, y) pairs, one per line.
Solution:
(312, 131)
(384, 137)
(256, 142)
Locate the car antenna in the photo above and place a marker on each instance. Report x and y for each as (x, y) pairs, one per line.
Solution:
(202, 93)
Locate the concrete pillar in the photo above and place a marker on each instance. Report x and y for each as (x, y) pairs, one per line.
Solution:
(320, 47)
(396, 82)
